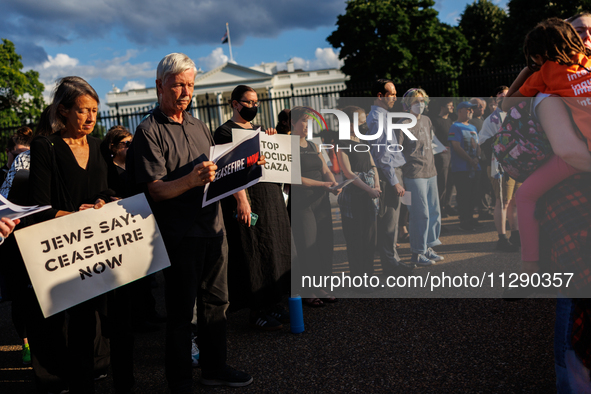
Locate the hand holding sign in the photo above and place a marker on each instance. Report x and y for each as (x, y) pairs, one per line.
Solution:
(203, 173)
(332, 187)
(6, 226)
(97, 205)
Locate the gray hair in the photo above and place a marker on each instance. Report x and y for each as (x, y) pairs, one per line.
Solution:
(172, 64)
(66, 93)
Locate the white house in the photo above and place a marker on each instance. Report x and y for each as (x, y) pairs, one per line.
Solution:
(215, 87)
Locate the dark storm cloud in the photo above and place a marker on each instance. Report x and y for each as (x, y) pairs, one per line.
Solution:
(156, 22)
(32, 54)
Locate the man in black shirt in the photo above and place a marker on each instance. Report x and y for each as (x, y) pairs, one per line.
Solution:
(168, 157)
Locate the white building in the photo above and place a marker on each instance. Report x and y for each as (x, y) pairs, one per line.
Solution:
(215, 87)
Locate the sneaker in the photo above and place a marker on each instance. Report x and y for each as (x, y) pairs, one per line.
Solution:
(280, 314)
(505, 245)
(194, 354)
(420, 259)
(264, 322)
(227, 376)
(431, 255)
(26, 354)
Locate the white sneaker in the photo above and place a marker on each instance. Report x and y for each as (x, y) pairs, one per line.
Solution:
(421, 259)
(431, 255)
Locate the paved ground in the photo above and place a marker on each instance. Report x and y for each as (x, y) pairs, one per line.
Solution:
(372, 345)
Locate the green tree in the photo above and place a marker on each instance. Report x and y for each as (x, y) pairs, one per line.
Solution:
(399, 40)
(524, 15)
(21, 99)
(482, 24)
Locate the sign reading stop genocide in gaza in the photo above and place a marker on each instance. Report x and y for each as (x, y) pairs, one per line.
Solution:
(282, 154)
(77, 257)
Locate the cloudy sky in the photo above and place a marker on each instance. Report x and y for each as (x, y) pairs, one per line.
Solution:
(120, 42)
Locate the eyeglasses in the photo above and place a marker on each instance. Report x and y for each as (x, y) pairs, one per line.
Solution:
(250, 102)
(126, 143)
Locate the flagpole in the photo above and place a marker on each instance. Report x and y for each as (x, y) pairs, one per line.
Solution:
(229, 42)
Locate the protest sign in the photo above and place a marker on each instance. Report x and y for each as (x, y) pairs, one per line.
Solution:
(14, 211)
(74, 258)
(237, 168)
(282, 153)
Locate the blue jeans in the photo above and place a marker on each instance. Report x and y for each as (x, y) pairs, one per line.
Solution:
(425, 215)
(571, 375)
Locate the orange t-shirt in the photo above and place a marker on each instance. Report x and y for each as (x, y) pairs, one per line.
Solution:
(566, 81)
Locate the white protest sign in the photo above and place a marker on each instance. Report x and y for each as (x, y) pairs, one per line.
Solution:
(74, 258)
(282, 153)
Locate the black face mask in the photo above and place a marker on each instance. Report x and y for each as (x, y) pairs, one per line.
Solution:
(364, 129)
(248, 114)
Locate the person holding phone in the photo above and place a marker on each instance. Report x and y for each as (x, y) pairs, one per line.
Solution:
(259, 258)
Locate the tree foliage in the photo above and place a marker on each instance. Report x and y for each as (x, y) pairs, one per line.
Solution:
(524, 15)
(482, 23)
(21, 92)
(397, 39)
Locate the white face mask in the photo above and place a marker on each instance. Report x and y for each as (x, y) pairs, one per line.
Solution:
(417, 108)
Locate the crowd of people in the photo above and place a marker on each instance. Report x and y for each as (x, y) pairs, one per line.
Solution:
(218, 254)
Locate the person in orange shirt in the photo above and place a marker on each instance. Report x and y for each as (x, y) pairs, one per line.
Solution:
(558, 64)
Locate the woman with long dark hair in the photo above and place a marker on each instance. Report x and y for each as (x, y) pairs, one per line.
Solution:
(69, 173)
(259, 258)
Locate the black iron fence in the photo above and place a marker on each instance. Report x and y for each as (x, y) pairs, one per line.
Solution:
(472, 83)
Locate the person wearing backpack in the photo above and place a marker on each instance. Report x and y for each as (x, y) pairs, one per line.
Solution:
(558, 64)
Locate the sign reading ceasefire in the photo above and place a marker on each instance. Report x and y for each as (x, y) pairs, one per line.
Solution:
(74, 258)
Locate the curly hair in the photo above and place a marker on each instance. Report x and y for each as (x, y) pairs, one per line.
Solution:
(554, 39)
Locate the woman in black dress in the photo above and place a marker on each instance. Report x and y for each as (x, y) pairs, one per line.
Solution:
(259, 259)
(311, 217)
(358, 201)
(69, 173)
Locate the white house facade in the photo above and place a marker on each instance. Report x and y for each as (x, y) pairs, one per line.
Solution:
(213, 89)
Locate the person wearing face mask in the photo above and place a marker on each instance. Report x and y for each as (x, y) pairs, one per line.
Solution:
(259, 258)
(358, 201)
(420, 179)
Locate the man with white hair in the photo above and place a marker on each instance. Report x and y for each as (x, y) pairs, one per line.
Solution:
(168, 158)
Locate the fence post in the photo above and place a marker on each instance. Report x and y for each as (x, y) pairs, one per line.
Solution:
(117, 112)
(207, 109)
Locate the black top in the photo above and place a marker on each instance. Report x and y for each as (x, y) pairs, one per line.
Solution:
(441, 128)
(163, 149)
(360, 160)
(117, 179)
(259, 259)
(82, 186)
(311, 162)
(223, 134)
(311, 168)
